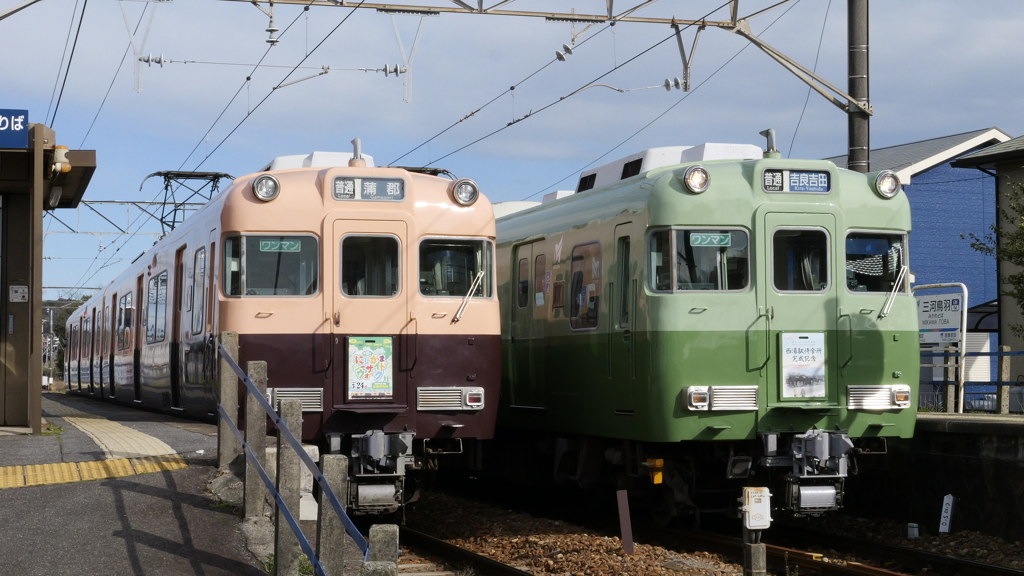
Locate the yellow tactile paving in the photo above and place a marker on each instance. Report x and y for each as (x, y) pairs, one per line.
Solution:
(37, 474)
(150, 464)
(12, 477)
(98, 469)
(119, 441)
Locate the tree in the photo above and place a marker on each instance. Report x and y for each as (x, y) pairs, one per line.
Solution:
(1005, 243)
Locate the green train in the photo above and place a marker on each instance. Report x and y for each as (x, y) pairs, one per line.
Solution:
(693, 320)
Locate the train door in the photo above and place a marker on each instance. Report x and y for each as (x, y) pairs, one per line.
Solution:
(136, 339)
(90, 321)
(175, 351)
(373, 347)
(522, 357)
(107, 362)
(801, 303)
(621, 297)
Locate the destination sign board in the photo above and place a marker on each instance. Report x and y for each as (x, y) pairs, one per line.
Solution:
(797, 181)
(373, 189)
(13, 128)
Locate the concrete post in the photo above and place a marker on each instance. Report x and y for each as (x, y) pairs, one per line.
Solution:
(289, 475)
(1004, 376)
(755, 559)
(949, 391)
(333, 544)
(379, 569)
(256, 438)
(228, 447)
(384, 543)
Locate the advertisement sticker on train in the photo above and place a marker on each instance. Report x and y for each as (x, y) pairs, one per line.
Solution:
(798, 181)
(710, 239)
(803, 365)
(370, 368)
(938, 318)
(280, 245)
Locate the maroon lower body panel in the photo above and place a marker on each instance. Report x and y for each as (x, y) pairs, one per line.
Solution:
(418, 361)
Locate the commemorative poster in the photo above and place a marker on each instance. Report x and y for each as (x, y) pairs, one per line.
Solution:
(370, 368)
(803, 365)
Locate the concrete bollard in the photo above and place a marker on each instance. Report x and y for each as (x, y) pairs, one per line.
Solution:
(384, 543)
(286, 546)
(1004, 376)
(333, 545)
(379, 569)
(256, 438)
(754, 560)
(228, 448)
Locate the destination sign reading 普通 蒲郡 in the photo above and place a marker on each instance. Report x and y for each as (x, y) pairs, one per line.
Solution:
(374, 189)
(798, 181)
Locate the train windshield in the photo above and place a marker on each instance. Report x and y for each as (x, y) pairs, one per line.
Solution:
(800, 259)
(449, 266)
(873, 261)
(271, 266)
(704, 260)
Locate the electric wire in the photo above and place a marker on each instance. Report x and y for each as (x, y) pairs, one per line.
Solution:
(814, 69)
(532, 113)
(60, 67)
(71, 58)
(123, 56)
(660, 116)
(511, 90)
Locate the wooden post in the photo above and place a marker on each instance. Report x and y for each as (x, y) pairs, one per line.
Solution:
(289, 483)
(228, 448)
(332, 542)
(256, 438)
(1004, 376)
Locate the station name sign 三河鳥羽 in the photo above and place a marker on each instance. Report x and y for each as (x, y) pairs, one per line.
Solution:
(13, 128)
(938, 318)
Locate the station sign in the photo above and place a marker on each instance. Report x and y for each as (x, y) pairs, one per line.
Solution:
(938, 318)
(13, 128)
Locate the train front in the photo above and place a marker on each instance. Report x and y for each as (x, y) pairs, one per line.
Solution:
(811, 349)
(370, 292)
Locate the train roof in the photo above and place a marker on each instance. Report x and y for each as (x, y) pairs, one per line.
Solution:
(653, 158)
(314, 160)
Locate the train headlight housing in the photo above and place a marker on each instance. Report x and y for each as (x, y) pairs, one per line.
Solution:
(887, 184)
(901, 396)
(697, 179)
(698, 398)
(465, 192)
(474, 397)
(266, 187)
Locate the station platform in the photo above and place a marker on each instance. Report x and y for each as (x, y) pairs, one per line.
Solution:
(112, 490)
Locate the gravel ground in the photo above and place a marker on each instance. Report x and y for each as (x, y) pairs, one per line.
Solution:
(967, 544)
(542, 546)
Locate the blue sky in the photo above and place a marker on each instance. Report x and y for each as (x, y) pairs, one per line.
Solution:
(938, 67)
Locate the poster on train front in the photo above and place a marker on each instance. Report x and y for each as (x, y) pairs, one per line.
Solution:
(803, 365)
(370, 368)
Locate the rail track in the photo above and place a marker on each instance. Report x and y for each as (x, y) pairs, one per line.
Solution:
(452, 556)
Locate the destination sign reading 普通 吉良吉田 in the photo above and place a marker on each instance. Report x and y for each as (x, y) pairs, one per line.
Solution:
(799, 181)
(386, 189)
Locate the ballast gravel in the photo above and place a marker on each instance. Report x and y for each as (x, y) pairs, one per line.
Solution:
(542, 546)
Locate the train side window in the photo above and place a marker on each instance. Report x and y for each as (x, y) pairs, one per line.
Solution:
(711, 259)
(800, 260)
(86, 338)
(585, 286)
(198, 290)
(156, 312)
(541, 280)
(523, 287)
(233, 266)
(448, 267)
(369, 266)
(104, 332)
(129, 313)
(120, 323)
(74, 342)
(874, 261)
(661, 264)
(624, 277)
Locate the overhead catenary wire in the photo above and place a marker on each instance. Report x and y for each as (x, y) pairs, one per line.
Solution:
(60, 67)
(821, 37)
(660, 116)
(71, 58)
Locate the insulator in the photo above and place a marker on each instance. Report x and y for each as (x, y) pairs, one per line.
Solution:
(560, 56)
(567, 49)
(677, 83)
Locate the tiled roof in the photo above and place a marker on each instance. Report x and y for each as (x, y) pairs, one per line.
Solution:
(1008, 150)
(916, 157)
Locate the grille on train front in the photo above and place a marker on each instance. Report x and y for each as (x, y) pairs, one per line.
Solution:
(734, 398)
(312, 398)
(885, 397)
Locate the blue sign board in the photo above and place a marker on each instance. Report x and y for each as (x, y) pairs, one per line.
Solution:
(13, 128)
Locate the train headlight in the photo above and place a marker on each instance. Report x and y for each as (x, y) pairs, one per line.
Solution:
(696, 179)
(266, 187)
(465, 192)
(887, 184)
(901, 396)
(698, 398)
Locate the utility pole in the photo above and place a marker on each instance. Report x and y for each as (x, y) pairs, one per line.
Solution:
(859, 127)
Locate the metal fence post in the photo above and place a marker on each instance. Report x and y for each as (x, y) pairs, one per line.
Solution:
(287, 550)
(1004, 376)
(256, 438)
(228, 447)
(332, 542)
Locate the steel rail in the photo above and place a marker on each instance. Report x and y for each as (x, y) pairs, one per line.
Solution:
(451, 553)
